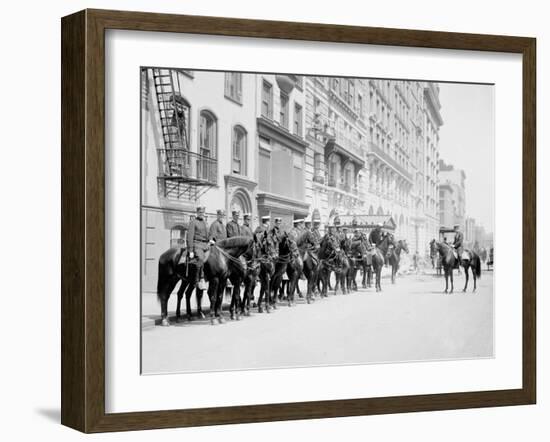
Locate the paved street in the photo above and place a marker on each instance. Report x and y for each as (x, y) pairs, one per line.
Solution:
(411, 320)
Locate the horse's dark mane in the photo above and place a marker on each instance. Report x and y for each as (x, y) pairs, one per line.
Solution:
(234, 242)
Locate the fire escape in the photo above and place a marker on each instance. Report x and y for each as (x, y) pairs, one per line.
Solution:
(182, 174)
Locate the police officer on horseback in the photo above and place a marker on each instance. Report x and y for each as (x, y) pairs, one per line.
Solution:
(458, 242)
(232, 228)
(276, 230)
(264, 226)
(197, 241)
(246, 230)
(217, 229)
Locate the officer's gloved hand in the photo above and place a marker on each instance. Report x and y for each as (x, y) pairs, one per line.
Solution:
(211, 242)
(191, 255)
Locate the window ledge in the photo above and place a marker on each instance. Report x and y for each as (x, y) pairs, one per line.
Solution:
(233, 100)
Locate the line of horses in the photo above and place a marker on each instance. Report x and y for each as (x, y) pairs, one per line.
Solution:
(273, 261)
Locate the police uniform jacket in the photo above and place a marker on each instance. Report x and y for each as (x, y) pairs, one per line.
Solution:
(233, 229)
(261, 228)
(197, 235)
(246, 231)
(459, 237)
(217, 231)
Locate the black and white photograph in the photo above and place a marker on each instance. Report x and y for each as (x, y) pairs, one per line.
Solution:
(292, 220)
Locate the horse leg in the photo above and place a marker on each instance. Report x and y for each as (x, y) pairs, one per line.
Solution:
(180, 296)
(446, 280)
(213, 294)
(198, 297)
(466, 273)
(163, 295)
(452, 281)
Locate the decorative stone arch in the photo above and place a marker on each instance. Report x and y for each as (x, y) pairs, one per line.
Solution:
(371, 210)
(241, 201)
(380, 211)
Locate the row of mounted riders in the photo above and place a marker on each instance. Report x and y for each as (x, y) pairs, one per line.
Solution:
(267, 257)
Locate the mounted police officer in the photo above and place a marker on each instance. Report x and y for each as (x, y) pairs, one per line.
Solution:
(316, 234)
(295, 231)
(276, 230)
(233, 228)
(217, 229)
(376, 234)
(264, 226)
(197, 241)
(246, 230)
(458, 243)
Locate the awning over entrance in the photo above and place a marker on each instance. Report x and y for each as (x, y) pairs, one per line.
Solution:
(367, 221)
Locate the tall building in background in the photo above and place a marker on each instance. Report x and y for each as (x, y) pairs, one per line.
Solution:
(452, 199)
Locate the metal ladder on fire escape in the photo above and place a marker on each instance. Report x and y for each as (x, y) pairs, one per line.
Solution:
(175, 177)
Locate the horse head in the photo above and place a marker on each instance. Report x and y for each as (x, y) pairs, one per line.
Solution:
(268, 245)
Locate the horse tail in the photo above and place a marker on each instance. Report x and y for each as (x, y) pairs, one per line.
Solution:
(477, 266)
(166, 269)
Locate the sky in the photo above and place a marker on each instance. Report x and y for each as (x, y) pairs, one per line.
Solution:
(467, 142)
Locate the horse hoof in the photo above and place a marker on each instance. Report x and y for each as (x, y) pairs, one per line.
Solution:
(189, 318)
(212, 322)
(165, 322)
(220, 320)
(463, 290)
(232, 316)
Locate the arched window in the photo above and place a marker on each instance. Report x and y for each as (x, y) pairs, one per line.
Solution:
(208, 139)
(239, 150)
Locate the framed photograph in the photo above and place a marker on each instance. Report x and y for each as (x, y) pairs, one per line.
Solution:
(268, 221)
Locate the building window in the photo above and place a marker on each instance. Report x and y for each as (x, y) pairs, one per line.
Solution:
(267, 100)
(233, 86)
(297, 130)
(177, 237)
(283, 112)
(239, 150)
(360, 105)
(208, 146)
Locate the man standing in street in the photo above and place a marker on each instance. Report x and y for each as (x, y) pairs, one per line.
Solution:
(197, 242)
(233, 228)
(217, 229)
(246, 230)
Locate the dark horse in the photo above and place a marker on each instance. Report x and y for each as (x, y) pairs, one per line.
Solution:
(378, 258)
(217, 269)
(448, 261)
(332, 259)
(170, 271)
(395, 256)
(310, 260)
(471, 259)
(243, 270)
(288, 261)
(354, 254)
(268, 256)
